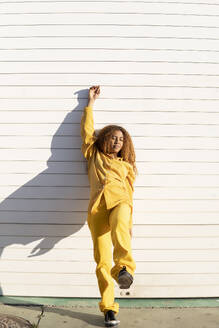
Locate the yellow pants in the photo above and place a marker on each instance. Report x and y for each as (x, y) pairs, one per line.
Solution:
(107, 227)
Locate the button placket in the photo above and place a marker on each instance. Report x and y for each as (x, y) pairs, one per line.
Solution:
(107, 174)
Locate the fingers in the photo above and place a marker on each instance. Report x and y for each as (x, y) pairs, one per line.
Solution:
(96, 88)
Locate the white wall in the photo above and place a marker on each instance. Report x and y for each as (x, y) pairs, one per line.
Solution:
(157, 65)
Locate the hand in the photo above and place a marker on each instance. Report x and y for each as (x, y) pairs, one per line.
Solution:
(94, 92)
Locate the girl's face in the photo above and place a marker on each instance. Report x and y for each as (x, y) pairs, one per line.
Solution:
(116, 141)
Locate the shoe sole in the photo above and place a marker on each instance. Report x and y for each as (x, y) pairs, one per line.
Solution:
(111, 323)
(124, 282)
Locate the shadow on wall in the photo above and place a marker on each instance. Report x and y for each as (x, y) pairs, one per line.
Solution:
(16, 207)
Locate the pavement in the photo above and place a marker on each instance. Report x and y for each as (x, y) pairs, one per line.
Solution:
(47, 316)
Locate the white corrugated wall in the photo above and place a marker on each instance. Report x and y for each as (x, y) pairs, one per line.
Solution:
(157, 65)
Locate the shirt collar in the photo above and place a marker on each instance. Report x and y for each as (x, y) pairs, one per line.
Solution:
(117, 158)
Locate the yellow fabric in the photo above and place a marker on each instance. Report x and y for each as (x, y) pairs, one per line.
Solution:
(113, 177)
(109, 212)
(107, 227)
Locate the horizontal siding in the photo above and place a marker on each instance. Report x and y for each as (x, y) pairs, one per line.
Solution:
(86, 267)
(166, 255)
(81, 205)
(56, 254)
(134, 7)
(140, 230)
(146, 216)
(155, 103)
(157, 64)
(118, 67)
(151, 280)
(70, 142)
(60, 180)
(92, 291)
(104, 117)
(110, 18)
(146, 167)
(109, 31)
(76, 242)
(69, 129)
(158, 192)
(199, 81)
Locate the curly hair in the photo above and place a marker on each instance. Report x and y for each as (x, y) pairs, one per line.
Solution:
(127, 152)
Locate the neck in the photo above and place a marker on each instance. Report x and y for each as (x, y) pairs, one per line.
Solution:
(113, 155)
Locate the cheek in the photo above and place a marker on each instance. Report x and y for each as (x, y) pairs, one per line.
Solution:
(111, 144)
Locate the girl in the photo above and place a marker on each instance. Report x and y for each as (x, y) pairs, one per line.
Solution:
(111, 173)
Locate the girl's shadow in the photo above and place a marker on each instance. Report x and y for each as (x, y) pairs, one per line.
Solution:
(35, 199)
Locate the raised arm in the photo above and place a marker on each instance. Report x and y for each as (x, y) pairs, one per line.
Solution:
(87, 123)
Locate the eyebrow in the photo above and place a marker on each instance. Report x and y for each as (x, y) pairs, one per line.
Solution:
(113, 135)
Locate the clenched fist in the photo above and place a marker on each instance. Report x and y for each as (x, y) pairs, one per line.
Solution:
(94, 92)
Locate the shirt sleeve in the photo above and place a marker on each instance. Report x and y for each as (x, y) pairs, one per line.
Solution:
(87, 132)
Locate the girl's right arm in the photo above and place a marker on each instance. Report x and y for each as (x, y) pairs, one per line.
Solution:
(87, 124)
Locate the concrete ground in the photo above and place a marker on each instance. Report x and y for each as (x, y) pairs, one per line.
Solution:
(46, 316)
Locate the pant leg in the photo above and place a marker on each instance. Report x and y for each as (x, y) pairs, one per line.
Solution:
(102, 249)
(120, 221)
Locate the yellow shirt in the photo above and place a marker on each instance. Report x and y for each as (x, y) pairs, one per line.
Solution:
(112, 177)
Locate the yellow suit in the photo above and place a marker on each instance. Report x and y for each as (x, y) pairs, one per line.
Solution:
(109, 212)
